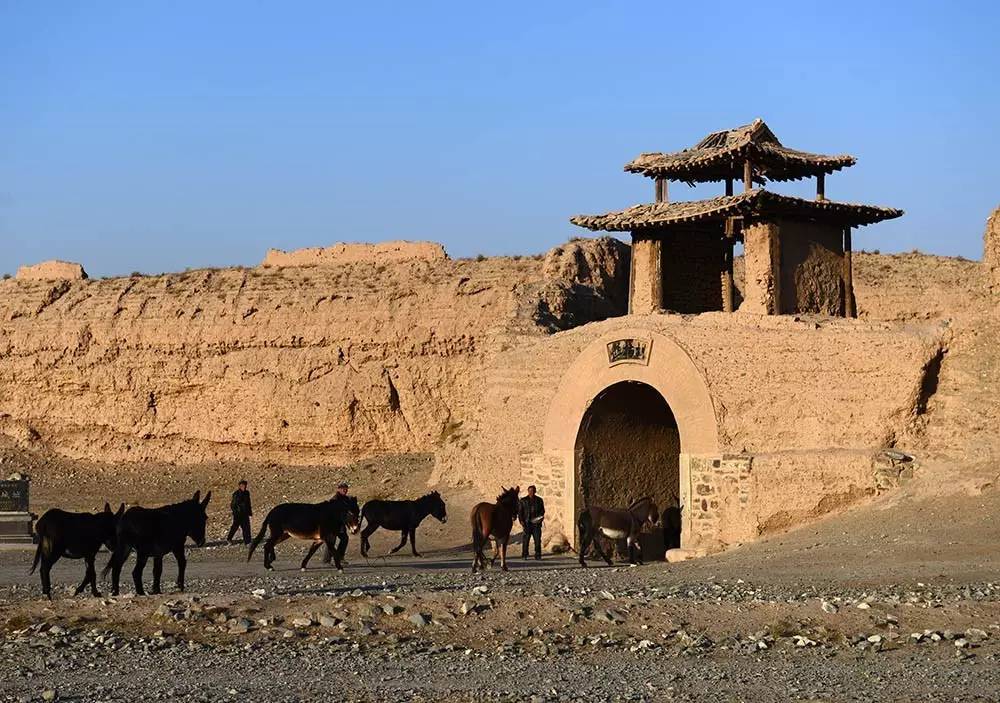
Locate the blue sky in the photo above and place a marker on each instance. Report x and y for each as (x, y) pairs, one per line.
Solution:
(159, 136)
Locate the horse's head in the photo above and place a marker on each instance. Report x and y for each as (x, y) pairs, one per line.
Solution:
(352, 513)
(437, 506)
(645, 510)
(109, 525)
(508, 497)
(198, 517)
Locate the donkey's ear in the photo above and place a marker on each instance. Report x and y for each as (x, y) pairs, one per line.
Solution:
(121, 509)
(208, 497)
(197, 496)
(107, 508)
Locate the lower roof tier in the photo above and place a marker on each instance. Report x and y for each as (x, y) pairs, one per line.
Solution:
(757, 203)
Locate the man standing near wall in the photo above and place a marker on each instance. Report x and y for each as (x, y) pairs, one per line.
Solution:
(342, 490)
(530, 513)
(241, 509)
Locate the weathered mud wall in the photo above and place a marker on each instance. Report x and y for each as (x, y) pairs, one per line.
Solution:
(299, 365)
(812, 267)
(334, 362)
(51, 271)
(808, 401)
(991, 251)
(692, 271)
(343, 254)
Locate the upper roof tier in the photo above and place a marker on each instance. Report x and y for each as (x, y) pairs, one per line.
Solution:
(721, 155)
(754, 203)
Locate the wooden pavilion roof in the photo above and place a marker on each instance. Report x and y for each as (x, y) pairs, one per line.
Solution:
(755, 203)
(721, 155)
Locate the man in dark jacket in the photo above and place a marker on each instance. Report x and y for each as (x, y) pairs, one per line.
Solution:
(240, 505)
(530, 513)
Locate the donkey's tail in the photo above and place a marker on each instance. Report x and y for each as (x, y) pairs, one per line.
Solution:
(38, 555)
(118, 556)
(259, 538)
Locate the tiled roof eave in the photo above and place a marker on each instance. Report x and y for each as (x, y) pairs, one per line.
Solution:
(756, 203)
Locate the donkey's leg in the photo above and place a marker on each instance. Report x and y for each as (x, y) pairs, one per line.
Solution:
(116, 564)
(269, 554)
(413, 541)
(312, 550)
(583, 547)
(635, 547)
(157, 572)
(93, 577)
(140, 564)
(365, 534)
(503, 552)
(46, 570)
(402, 543)
(86, 576)
(600, 550)
(181, 566)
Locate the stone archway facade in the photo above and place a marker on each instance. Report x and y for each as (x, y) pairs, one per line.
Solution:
(647, 357)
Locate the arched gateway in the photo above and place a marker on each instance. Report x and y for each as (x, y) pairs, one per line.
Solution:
(630, 414)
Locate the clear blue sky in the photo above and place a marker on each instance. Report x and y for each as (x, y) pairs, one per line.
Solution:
(157, 136)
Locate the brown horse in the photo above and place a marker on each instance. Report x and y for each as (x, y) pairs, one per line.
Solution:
(616, 524)
(494, 520)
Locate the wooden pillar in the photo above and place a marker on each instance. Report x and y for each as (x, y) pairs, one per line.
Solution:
(850, 307)
(662, 196)
(729, 186)
(747, 176)
(821, 186)
(762, 262)
(646, 282)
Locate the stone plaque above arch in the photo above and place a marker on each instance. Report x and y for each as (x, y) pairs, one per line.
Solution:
(669, 370)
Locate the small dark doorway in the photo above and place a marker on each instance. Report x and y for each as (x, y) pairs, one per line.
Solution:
(628, 446)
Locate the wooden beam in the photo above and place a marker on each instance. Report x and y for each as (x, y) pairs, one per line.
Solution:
(821, 186)
(662, 196)
(747, 176)
(850, 307)
(729, 186)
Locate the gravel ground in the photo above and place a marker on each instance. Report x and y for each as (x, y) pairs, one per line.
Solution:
(429, 630)
(896, 600)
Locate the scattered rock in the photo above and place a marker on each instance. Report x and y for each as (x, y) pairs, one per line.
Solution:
(419, 619)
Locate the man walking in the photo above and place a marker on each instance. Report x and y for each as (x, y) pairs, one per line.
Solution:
(240, 506)
(530, 513)
(342, 489)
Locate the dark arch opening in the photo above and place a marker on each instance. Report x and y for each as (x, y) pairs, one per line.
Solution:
(628, 446)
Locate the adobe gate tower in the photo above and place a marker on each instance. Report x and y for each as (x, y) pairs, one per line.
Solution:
(797, 252)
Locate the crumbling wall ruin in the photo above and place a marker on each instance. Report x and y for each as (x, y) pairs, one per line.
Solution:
(52, 271)
(296, 364)
(991, 252)
(361, 253)
(812, 268)
(322, 363)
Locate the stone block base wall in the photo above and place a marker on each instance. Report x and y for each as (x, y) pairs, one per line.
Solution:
(552, 475)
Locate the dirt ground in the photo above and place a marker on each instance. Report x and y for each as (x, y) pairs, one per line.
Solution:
(898, 599)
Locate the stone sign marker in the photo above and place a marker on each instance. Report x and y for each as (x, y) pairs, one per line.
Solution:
(15, 519)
